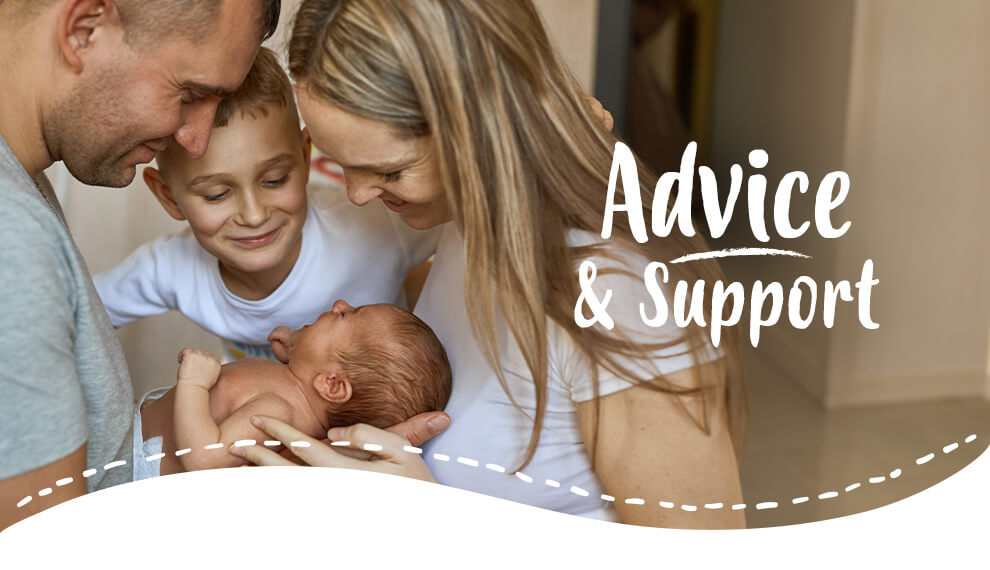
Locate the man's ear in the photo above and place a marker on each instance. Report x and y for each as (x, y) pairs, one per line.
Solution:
(80, 23)
(156, 183)
(307, 148)
(334, 387)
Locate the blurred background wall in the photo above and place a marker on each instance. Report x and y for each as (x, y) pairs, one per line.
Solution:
(895, 93)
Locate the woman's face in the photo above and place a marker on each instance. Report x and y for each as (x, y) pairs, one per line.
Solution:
(377, 163)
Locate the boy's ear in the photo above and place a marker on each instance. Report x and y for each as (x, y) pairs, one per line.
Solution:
(333, 387)
(79, 24)
(156, 183)
(307, 148)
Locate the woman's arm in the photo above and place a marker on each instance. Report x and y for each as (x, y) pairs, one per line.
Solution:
(649, 448)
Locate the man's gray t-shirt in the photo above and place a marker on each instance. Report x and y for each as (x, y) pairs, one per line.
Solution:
(63, 380)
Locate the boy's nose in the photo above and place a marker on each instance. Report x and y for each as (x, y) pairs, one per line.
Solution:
(341, 306)
(252, 212)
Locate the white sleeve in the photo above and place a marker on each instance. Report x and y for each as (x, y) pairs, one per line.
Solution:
(628, 292)
(417, 245)
(141, 285)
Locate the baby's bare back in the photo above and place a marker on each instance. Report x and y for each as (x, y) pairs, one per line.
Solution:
(256, 381)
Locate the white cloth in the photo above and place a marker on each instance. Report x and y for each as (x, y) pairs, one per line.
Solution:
(488, 429)
(361, 255)
(145, 448)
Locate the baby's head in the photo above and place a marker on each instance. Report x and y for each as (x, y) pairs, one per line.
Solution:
(375, 364)
(245, 199)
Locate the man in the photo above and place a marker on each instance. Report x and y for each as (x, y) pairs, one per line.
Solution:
(101, 85)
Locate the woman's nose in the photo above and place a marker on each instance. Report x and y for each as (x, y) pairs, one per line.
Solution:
(361, 190)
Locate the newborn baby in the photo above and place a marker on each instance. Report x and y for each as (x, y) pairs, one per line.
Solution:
(376, 364)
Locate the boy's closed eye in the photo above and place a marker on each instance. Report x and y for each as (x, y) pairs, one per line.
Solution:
(217, 197)
(275, 181)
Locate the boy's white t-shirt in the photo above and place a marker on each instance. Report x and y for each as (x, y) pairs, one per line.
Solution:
(486, 428)
(359, 254)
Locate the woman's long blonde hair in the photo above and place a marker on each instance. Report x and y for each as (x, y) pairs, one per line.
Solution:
(522, 159)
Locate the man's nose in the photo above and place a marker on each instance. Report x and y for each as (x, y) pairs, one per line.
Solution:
(194, 134)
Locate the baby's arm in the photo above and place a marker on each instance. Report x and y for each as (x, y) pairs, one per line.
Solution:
(194, 425)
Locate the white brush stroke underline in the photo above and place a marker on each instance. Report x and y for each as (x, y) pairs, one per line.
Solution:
(738, 252)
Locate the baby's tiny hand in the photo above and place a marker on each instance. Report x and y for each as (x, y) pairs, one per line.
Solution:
(198, 367)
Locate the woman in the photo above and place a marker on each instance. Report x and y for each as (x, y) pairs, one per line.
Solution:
(460, 111)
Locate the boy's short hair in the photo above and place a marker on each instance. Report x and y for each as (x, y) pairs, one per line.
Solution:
(391, 381)
(265, 86)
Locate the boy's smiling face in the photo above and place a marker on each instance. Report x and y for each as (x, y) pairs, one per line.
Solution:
(245, 199)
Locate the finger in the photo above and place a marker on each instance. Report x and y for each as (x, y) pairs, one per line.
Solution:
(381, 443)
(420, 429)
(608, 120)
(260, 456)
(309, 450)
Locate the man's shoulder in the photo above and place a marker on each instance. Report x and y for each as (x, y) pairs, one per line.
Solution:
(22, 209)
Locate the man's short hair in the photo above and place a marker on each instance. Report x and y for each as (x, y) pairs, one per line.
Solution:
(149, 22)
(156, 20)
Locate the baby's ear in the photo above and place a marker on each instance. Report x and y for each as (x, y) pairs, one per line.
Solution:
(334, 387)
(160, 188)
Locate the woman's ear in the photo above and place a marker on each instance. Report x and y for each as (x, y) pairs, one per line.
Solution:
(334, 387)
(78, 25)
(307, 148)
(156, 183)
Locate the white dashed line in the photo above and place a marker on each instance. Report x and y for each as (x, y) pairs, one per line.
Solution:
(468, 462)
(828, 495)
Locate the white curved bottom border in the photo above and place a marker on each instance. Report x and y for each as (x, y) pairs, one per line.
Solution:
(279, 517)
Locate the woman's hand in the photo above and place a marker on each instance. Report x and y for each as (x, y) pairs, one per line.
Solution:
(380, 450)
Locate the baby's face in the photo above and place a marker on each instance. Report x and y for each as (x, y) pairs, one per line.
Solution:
(313, 345)
(245, 200)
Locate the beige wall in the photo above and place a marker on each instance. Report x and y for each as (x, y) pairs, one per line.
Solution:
(781, 83)
(917, 148)
(896, 93)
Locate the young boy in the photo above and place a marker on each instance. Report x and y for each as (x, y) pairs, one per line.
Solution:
(377, 364)
(256, 253)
